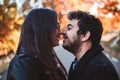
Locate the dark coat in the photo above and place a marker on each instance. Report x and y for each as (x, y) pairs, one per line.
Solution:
(24, 67)
(94, 65)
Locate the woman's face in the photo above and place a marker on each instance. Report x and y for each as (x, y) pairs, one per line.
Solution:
(56, 36)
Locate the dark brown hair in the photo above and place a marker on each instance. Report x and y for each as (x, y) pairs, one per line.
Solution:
(37, 34)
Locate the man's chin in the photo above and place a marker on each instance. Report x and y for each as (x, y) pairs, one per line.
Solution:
(64, 46)
(67, 48)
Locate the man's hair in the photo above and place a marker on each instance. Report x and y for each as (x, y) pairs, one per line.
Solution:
(88, 22)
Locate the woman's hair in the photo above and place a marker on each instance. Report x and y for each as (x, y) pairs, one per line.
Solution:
(37, 34)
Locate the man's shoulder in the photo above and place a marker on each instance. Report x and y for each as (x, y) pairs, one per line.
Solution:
(100, 59)
(101, 64)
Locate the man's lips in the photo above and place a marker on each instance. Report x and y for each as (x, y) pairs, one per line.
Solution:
(65, 37)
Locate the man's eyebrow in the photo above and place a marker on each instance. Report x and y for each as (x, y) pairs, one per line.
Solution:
(69, 25)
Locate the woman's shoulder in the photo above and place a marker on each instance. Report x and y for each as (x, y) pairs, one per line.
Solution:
(20, 66)
(21, 59)
(26, 62)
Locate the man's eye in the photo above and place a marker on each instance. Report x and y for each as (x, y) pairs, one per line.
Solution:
(69, 28)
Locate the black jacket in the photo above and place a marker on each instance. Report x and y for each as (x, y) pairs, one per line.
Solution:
(24, 67)
(94, 65)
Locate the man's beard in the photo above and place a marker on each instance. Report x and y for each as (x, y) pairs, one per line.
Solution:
(73, 47)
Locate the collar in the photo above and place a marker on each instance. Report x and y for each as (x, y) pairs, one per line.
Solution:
(93, 51)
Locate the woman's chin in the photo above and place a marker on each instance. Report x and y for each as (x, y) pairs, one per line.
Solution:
(57, 44)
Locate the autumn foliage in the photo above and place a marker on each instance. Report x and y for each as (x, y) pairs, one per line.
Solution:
(10, 25)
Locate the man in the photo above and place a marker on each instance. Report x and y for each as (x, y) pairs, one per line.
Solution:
(82, 38)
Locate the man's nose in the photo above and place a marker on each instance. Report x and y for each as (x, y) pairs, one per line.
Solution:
(63, 32)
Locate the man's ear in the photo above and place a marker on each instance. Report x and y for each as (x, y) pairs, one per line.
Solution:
(86, 36)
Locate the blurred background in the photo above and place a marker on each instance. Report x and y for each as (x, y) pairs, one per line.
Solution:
(13, 13)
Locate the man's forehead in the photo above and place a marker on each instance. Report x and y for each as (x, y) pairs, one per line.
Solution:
(73, 21)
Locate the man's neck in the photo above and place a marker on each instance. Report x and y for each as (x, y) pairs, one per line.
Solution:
(82, 50)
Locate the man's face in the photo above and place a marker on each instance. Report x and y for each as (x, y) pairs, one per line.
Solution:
(71, 40)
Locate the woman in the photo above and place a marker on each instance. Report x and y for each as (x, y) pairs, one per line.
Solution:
(35, 58)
